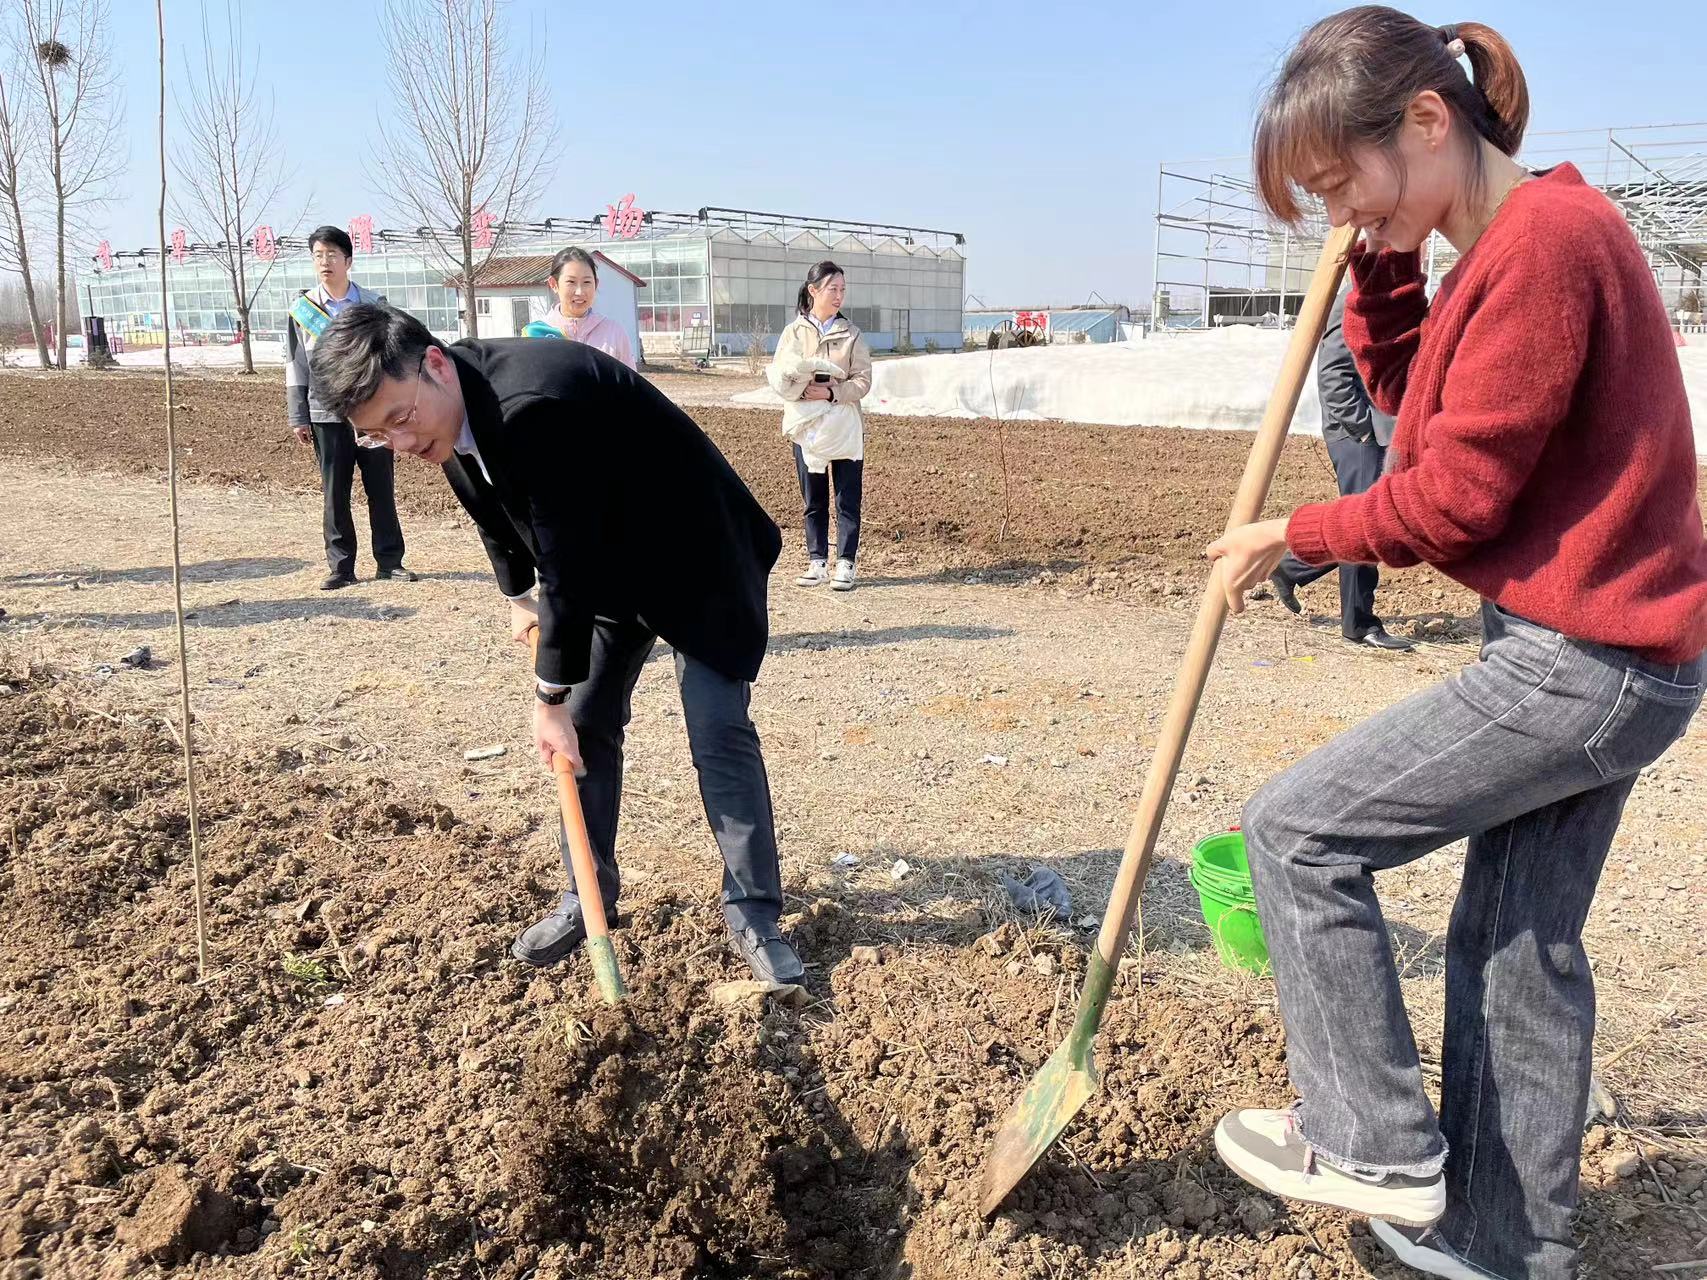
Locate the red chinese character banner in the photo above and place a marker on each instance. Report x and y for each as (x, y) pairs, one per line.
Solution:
(624, 220)
(361, 231)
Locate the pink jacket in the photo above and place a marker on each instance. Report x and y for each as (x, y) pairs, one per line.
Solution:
(599, 332)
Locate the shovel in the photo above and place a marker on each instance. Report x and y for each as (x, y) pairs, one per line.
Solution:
(599, 948)
(1070, 1076)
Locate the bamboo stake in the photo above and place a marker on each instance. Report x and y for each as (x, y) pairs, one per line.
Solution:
(177, 552)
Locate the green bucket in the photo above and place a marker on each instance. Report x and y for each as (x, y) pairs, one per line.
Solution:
(1221, 874)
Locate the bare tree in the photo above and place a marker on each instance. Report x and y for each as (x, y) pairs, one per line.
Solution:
(17, 123)
(71, 55)
(228, 164)
(472, 122)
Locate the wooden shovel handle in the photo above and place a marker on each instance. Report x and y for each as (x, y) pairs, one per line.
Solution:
(1206, 634)
(581, 860)
(580, 849)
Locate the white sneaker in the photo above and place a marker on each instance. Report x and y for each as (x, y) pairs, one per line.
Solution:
(844, 579)
(1266, 1150)
(815, 576)
(1422, 1250)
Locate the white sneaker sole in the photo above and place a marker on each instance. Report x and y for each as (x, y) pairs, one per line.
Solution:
(841, 586)
(1430, 1262)
(1411, 1207)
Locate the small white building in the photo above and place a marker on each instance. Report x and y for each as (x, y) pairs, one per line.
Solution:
(511, 292)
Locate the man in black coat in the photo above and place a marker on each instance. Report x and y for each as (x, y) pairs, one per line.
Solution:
(1357, 435)
(586, 482)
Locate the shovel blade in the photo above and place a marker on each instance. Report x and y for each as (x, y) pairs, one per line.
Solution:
(1043, 1111)
(605, 971)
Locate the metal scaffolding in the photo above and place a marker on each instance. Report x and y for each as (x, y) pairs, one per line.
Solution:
(1219, 258)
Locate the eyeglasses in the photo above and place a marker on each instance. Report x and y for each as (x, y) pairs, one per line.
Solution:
(332, 256)
(377, 437)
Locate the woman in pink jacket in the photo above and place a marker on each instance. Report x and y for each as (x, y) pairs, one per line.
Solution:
(575, 280)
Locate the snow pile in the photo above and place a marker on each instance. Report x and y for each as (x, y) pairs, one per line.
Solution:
(219, 357)
(1216, 380)
(1212, 380)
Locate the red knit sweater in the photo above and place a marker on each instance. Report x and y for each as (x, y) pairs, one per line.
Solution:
(1543, 455)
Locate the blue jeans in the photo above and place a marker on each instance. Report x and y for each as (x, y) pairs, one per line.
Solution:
(1529, 754)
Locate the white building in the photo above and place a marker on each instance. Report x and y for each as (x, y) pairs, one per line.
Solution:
(717, 281)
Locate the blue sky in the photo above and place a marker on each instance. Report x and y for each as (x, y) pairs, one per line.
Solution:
(1034, 128)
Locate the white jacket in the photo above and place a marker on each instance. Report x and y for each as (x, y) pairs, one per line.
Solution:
(825, 430)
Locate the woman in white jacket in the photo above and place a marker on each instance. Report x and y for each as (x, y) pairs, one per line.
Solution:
(822, 370)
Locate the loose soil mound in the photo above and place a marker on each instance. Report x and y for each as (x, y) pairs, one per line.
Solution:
(364, 1087)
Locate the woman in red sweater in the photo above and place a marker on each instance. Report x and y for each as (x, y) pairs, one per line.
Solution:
(1543, 457)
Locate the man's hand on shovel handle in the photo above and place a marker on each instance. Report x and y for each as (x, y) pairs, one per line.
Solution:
(553, 726)
(1247, 556)
(554, 735)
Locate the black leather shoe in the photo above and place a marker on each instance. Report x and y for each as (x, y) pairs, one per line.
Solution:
(397, 574)
(1377, 638)
(338, 581)
(770, 955)
(544, 944)
(1286, 593)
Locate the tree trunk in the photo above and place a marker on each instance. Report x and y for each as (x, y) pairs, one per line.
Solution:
(233, 273)
(468, 280)
(242, 283)
(59, 283)
(37, 330)
(240, 276)
(37, 333)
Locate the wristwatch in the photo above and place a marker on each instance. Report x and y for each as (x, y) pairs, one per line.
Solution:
(551, 697)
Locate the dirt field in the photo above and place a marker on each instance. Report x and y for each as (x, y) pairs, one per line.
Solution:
(366, 1086)
(1133, 507)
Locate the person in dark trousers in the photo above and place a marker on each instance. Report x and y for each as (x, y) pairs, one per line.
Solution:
(591, 515)
(334, 440)
(822, 360)
(1357, 435)
(1544, 459)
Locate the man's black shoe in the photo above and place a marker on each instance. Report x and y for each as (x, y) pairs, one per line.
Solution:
(544, 944)
(768, 953)
(1377, 638)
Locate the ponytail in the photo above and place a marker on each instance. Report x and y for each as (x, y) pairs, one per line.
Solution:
(1498, 79)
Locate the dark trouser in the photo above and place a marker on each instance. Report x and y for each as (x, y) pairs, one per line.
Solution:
(335, 447)
(1530, 755)
(726, 756)
(1357, 466)
(849, 475)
